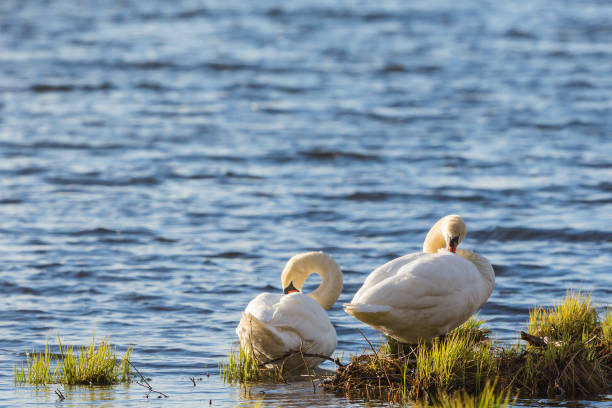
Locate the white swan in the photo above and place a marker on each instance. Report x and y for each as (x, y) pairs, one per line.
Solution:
(273, 325)
(425, 294)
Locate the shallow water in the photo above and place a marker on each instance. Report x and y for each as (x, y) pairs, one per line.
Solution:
(160, 161)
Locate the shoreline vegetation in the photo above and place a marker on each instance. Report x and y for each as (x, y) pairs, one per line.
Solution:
(81, 366)
(566, 354)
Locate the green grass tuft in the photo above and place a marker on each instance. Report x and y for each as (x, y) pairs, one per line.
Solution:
(460, 361)
(243, 367)
(473, 328)
(573, 320)
(37, 370)
(572, 362)
(606, 326)
(83, 366)
(488, 398)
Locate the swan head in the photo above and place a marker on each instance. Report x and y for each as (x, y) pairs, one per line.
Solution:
(453, 229)
(447, 233)
(301, 266)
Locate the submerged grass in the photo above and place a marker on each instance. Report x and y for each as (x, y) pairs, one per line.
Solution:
(243, 367)
(84, 366)
(569, 355)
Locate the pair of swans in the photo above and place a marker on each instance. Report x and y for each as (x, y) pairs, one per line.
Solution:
(411, 298)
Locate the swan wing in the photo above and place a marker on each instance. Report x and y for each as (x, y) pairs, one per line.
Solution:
(425, 298)
(385, 271)
(301, 314)
(423, 283)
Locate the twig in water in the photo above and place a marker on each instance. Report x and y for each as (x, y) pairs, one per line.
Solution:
(59, 394)
(145, 383)
(193, 381)
(377, 357)
(290, 353)
(366, 339)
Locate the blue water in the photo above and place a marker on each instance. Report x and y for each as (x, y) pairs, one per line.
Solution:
(160, 162)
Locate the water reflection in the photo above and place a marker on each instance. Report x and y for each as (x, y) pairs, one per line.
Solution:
(296, 394)
(103, 396)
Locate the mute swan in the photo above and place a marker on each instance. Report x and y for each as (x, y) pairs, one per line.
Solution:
(425, 294)
(273, 325)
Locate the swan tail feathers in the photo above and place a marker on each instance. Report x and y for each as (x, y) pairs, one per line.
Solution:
(362, 308)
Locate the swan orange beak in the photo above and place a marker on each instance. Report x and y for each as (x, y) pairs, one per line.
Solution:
(452, 245)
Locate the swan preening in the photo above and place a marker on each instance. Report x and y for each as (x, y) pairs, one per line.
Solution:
(275, 324)
(425, 294)
(412, 298)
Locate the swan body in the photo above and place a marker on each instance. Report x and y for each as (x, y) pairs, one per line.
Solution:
(273, 325)
(425, 294)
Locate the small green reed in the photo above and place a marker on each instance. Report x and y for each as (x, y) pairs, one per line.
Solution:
(606, 326)
(487, 398)
(37, 370)
(243, 367)
(457, 362)
(81, 366)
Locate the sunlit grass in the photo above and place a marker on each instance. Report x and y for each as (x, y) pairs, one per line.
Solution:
(574, 319)
(244, 368)
(572, 363)
(473, 328)
(569, 356)
(459, 361)
(462, 359)
(37, 370)
(606, 326)
(488, 398)
(88, 365)
(389, 346)
(84, 366)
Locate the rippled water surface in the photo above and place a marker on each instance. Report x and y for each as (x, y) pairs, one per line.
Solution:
(160, 161)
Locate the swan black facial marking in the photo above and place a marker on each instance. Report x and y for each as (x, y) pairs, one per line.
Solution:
(452, 245)
(290, 289)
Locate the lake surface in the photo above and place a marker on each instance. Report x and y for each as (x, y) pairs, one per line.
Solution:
(161, 161)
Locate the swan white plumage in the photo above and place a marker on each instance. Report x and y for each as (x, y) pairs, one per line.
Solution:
(273, 325)
(425, 294)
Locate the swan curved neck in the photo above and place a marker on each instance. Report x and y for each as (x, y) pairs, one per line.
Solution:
(435, 238)
(301, 266)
